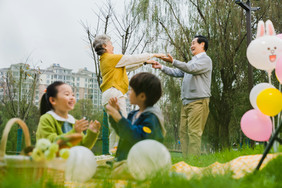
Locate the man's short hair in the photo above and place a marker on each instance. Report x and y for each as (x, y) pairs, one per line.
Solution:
(149, 84)
(203, 39)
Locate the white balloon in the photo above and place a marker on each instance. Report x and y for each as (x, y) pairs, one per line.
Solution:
(81, 164)
(147, 158)
(256, 91)
(264, 51)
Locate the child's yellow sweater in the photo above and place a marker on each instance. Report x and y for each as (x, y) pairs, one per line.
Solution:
(112, 76)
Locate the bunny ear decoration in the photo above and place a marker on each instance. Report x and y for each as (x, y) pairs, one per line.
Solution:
(269, 28)
(261, 30)
(262, 52)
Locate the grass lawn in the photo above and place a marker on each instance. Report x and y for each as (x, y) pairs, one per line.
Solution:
(222, 157)
(270, 176)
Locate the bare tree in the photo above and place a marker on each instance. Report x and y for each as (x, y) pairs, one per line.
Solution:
(123, 27)
(19, 90)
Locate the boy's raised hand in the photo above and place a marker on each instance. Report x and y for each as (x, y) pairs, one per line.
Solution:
(113, 101)
(94, 126)
(113, 112)
(80, 125)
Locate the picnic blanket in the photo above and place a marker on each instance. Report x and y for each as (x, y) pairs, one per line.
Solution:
(239, 167)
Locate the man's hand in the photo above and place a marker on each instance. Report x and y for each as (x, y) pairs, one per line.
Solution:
(157, 65)
(113, 112)
(167, 58)
(80, 125)
(94, 126)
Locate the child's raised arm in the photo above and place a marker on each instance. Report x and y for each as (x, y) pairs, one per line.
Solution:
(113, 101)
(113, 112)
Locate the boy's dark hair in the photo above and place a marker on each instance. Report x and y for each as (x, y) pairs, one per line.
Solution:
(203, 39)
(149, 84)
(51, 91)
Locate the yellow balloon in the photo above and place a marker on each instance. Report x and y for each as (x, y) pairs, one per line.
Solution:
(269, 101)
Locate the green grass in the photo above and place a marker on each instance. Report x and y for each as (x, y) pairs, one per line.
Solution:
(270, 176)
(222, 157)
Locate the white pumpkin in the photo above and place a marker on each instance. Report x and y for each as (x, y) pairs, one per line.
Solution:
(81, 164)
(147, 158)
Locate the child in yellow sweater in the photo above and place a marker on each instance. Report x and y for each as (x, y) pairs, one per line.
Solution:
(114, 77)
(55, 121)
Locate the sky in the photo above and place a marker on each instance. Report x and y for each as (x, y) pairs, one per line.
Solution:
(47, 32)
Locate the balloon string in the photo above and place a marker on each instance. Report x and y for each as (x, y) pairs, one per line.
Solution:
(275, 146)
(269, 77)
(273, 125)
(278, 120)
(279, 115)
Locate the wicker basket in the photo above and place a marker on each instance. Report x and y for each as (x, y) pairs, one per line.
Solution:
(24, 166)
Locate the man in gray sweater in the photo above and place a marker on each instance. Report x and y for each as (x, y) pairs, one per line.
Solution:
(195, 93)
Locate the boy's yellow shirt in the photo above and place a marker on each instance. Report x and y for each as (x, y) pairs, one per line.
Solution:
(112, 76)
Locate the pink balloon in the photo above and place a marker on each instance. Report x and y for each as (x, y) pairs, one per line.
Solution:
(278, 69)
(279, 35)
(256, 126)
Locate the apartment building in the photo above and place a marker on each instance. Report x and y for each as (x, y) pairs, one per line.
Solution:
(84, 82)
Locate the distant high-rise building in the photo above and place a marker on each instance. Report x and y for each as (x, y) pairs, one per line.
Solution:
(84, 82)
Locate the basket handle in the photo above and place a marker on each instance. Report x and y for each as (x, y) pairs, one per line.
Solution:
(6, 131)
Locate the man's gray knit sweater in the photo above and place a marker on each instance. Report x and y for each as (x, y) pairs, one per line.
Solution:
(197, 77)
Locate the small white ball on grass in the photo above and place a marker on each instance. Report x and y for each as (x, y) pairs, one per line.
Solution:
(81, 164)
(148, 158)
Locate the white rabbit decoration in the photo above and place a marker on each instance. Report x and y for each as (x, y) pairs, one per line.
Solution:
(263, 52)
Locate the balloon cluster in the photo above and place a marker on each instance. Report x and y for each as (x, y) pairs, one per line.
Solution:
(265, 53)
